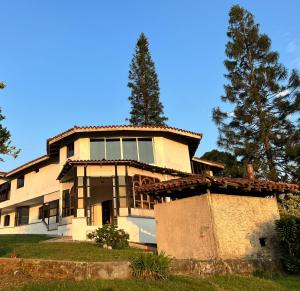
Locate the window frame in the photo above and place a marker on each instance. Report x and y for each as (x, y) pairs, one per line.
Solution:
(18, 220)
(70, 151)
(19, 183)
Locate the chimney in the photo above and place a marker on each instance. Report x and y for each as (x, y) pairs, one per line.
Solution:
(250, 171)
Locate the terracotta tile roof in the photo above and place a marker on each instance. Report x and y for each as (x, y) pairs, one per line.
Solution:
(194, 181)
(70, 163)
(80, 129)
(207, 162)
(27, 165)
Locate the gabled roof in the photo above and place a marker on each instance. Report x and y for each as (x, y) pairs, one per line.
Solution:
(70, 163)
(209, 163)
(197, 181)
(193, 137)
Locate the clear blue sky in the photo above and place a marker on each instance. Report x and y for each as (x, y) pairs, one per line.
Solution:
(66, 63)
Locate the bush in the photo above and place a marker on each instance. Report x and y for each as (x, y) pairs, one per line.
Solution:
(288, 229)
(151, 266)
(110, 236)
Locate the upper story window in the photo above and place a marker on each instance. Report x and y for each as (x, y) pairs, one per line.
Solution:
(138, 149)
(20, 181)
(70, 150)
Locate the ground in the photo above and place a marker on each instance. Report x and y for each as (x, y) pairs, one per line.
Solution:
(35, 246)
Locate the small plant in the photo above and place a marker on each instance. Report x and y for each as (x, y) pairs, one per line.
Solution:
(151, 266)
(109, 236)
(91, 235)
(288, 229)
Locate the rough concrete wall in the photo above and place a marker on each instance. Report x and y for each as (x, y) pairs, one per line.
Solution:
(239, 222)
(184, 228)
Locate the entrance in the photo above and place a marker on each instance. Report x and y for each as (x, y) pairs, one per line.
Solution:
(107, 211)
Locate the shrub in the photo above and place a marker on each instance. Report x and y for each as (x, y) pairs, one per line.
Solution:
(288, 229)
(150, 266)
(110, 236)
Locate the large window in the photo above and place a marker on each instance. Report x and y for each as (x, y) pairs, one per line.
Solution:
(97, 149)
(22, 215)
(138, 149)
(113, 149)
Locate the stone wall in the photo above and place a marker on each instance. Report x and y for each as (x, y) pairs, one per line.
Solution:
(67, 270)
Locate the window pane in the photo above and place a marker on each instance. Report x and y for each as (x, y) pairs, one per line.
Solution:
(130, 149)
(97, 149)
(113, 149)
(146, 150)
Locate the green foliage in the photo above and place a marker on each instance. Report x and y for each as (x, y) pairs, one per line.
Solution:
(151, 266)
(6, 148)
(146, 108)
(289, 204)
(262, 128)
(233, 168)
(288, 229)
(110, 236)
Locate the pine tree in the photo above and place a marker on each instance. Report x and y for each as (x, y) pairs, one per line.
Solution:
(261, 127)
(146, 108)
(5, 138)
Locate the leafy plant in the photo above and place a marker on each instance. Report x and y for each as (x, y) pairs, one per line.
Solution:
(110, 236)
(151, 266)
(288, 229)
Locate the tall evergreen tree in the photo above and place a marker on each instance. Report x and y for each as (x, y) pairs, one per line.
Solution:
(6, 147)
(146, 108)
(261, 127)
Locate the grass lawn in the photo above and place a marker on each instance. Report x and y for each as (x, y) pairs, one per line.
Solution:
(175, 284)
(29, 246)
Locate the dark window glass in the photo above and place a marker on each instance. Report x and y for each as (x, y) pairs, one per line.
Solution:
(97, 148)
(20, 181)
(113, 149)
(67, 203)
(146, 150)
(6, 220)
(70, 150)
(22, 217)
(130, 149)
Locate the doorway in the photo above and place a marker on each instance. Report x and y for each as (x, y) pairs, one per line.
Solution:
(107, 211)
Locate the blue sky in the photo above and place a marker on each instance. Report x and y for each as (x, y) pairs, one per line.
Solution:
(66, 63)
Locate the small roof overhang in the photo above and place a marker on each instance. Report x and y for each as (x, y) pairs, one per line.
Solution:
(208, 163)
(71, 163)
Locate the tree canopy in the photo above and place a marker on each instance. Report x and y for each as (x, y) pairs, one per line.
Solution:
(262, 128)
(146, 108)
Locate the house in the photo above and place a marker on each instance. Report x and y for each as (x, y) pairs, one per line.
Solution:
(87, 178)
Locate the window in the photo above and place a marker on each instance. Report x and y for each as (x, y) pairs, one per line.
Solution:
(97, 149)
(70, 150)
(130, 149)
(22, 215)
(146, 150)
(4, 192)
(122, 192)
(68, 203)
(138, 149)
(113, 149)
(20, 181)
(6, 220)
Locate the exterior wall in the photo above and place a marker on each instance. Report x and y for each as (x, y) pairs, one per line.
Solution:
(35, 228)
(184, 228)
(140, 229)
(35, 185)
(216, 226)
(240, 221)
(172, 154)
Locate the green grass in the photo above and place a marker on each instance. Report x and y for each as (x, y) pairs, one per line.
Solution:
(174, 284)
(29, 246)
